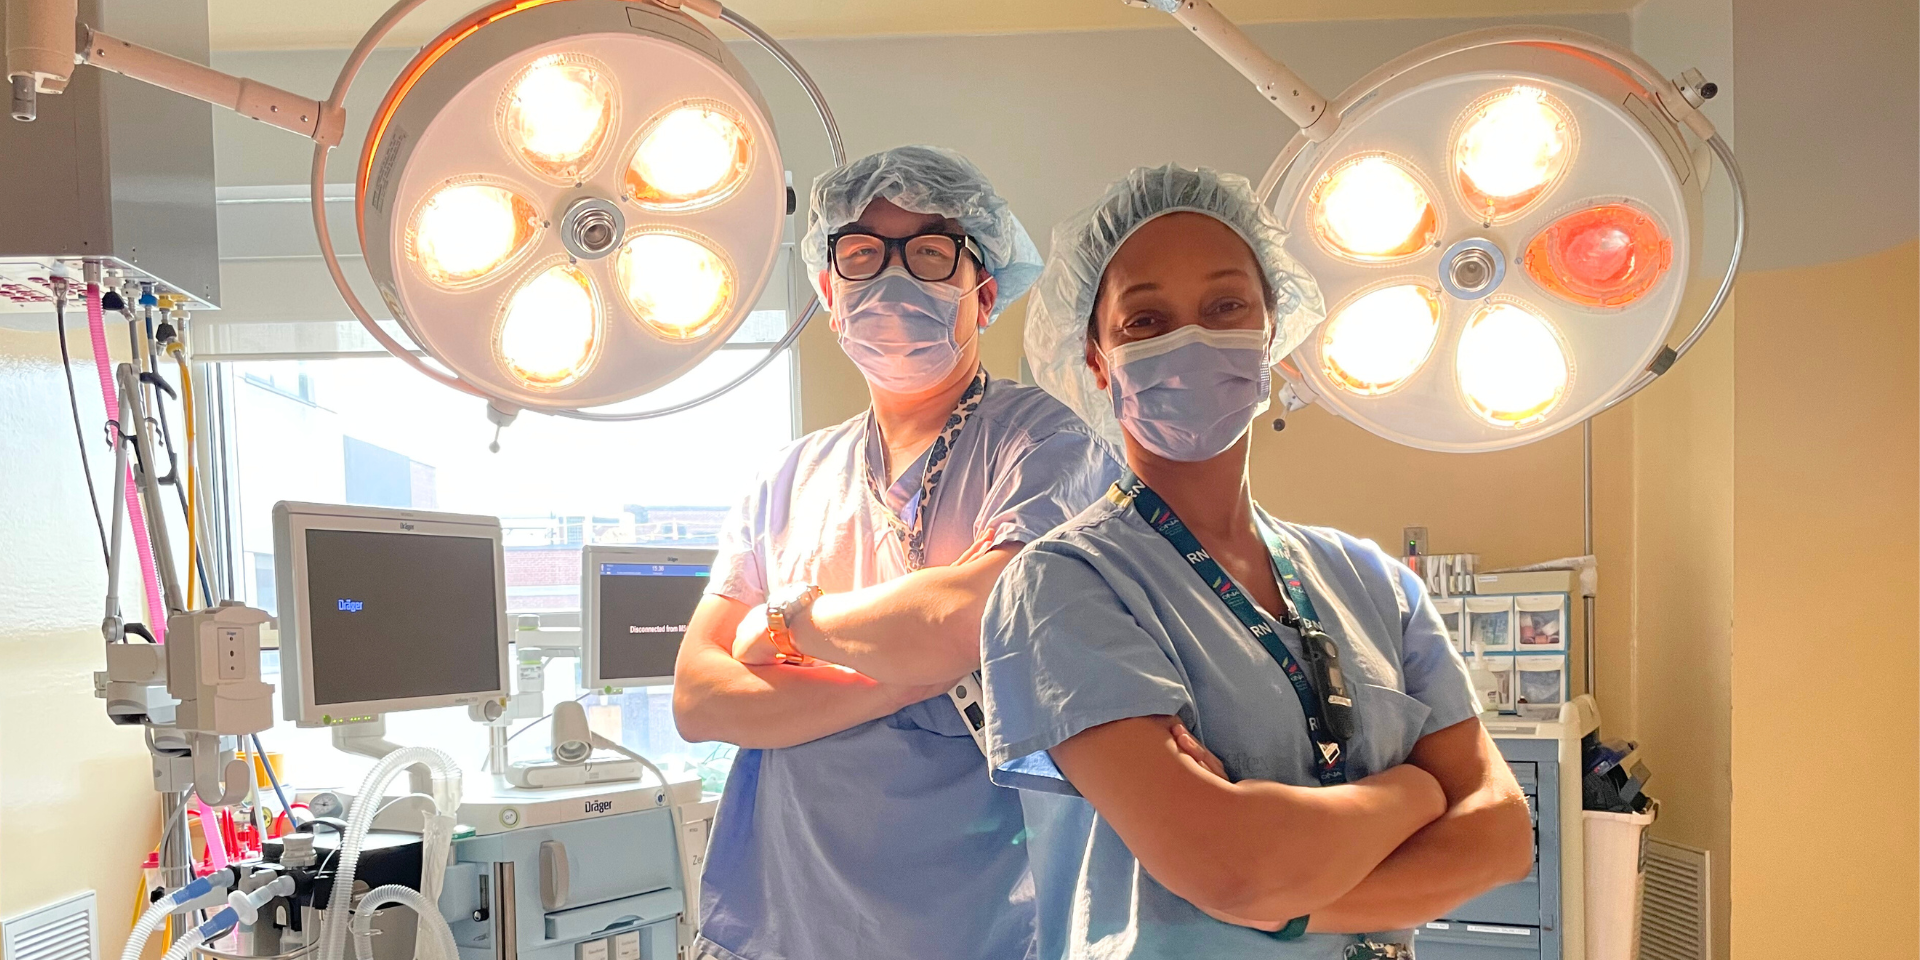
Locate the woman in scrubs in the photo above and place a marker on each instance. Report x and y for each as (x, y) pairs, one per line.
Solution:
(1234, 736)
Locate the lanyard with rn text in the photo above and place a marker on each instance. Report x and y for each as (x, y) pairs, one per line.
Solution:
(1329, 733)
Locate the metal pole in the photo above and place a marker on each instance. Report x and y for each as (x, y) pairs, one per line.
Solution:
(176, 869)
(150, 488)
(112, 626)
(1586, 513)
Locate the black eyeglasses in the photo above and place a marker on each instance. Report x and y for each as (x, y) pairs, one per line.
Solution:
(933, 256)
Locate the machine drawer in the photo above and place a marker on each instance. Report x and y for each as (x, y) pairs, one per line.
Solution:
(583, 921)
(1446, 940)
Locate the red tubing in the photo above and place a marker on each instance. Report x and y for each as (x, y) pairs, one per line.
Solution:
(102, 364)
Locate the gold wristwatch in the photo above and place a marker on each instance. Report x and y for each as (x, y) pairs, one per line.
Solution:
(781, 610)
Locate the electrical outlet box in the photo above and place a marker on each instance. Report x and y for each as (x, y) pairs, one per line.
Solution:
(213, 669)
(1413, 540)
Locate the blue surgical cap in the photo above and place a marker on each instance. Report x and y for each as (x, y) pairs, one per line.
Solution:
(931, 180)
(1084, 244)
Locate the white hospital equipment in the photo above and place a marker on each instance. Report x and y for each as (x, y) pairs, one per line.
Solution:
(601, 181)
(1542, 917)
(617, 225)
(387, 610)
(391, 610)
(1486, 215)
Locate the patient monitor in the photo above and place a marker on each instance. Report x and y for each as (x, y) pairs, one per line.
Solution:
(635, 604)
(387, 610)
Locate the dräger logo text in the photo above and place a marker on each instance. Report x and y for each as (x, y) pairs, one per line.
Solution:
(599, 806)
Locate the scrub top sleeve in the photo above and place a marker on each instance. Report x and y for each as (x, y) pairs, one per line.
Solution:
(1435, 674)
(1062, 653)
(1045, 483)
(739, 565)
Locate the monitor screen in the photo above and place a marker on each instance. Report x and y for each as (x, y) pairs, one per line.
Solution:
(642, 616)
(397, 616)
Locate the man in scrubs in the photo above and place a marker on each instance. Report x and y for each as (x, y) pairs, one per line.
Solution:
(858, 820)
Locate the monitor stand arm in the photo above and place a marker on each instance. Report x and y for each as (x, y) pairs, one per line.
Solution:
(369, 739)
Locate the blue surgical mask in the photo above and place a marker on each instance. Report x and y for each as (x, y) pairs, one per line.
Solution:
(1188, 395)
(898, 329)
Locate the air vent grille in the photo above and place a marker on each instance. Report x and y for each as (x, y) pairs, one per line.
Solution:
(1673, 924)
(67, 930)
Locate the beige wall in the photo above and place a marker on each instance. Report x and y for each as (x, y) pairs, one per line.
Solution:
(1826, 464)
(77, 807)
(1663, 529)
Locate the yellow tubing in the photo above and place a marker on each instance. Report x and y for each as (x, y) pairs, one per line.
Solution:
(193, 473)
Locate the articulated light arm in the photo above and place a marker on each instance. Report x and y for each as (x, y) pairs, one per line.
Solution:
(47, 40)
(1275, 80)
(309, 118)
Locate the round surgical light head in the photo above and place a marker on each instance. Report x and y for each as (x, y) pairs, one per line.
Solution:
(1506, 221)
(596, 183)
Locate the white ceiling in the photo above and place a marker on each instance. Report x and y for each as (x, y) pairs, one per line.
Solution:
(285, 25)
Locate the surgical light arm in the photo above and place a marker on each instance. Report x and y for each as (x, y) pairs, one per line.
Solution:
(45, 40)
(249, 98)
(1274, 80)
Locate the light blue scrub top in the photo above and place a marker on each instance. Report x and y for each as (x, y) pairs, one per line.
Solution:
(885, 840)
(1103, 620)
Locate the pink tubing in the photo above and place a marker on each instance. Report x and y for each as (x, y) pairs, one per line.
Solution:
(210, 829)
(156, 610)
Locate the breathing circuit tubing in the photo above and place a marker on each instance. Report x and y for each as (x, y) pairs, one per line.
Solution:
(436, 839)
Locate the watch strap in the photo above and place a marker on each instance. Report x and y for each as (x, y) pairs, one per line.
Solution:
(780, 625)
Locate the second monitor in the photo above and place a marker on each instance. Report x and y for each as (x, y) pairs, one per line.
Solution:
(635, 604)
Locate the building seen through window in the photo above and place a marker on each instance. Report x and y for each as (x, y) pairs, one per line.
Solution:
(369, 431)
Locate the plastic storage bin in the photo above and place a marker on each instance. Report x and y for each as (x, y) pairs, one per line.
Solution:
(1616, 867)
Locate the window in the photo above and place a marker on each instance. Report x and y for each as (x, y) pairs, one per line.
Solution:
(371, 431)
(264, 585)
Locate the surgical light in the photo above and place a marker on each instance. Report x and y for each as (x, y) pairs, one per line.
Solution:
(1510, 148)
(549, 327)
(557, 114)
(675, 284)
(646, 150)
(465, 231)
(693, 155)
(1373, 344)
(1600, 256)
(1511, 367)
(565, 204)
(1370, 208)
(1504, 224)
